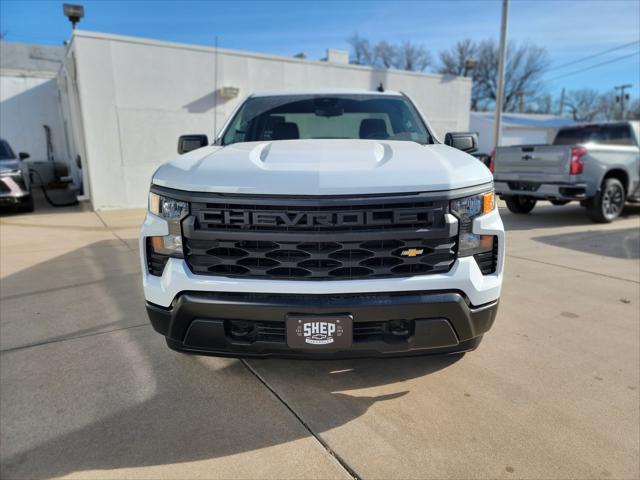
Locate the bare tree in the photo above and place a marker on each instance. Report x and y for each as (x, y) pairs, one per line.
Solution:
(588, 105)
(362, 52)
(413, 57)
(457, 60)
(385, 54)
(583, 104)
(523, 71)
(608, 108)
(633, 113)
(406, 56)
(541, 104)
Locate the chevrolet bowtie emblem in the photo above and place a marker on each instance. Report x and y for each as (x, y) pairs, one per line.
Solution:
(412, 252)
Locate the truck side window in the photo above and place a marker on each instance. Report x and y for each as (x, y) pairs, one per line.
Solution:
(619, 135)
(601, 135)
(569, 136)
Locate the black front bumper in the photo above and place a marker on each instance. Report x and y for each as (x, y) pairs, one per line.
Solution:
(437, 322)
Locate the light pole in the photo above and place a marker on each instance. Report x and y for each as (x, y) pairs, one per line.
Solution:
(469, 65)
(497, 125)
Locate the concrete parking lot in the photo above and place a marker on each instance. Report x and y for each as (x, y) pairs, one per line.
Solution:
(88, 390)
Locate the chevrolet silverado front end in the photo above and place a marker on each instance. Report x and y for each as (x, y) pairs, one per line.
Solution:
(323, 224)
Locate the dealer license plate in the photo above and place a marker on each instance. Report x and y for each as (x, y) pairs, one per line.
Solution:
(320, 332)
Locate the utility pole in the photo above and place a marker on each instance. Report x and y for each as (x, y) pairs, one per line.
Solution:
(215, 92)
(497, 126)
(521, 102)
(622, 98)
(561, 103)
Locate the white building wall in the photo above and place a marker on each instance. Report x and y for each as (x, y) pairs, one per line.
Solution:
(27, 102)
(484, 128)
(137, 96)
(73, 125)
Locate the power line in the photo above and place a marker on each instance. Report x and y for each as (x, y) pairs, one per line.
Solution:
(620, 47)
(593, 66)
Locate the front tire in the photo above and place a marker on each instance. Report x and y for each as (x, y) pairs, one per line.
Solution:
(520, 204)
(608, 203)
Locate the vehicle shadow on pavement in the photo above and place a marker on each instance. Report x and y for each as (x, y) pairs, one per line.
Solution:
(624, 243)
(545, 215)
(101, 391)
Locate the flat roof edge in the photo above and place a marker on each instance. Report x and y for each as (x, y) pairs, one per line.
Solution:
(263, 56)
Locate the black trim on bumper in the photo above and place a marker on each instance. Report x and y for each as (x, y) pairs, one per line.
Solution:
(440, 322)
(542, 190)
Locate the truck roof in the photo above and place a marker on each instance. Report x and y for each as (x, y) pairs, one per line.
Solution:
(601, 124)
(334, 91)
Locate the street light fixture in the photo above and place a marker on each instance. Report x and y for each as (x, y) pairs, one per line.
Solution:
(469, 65)
(73, 12)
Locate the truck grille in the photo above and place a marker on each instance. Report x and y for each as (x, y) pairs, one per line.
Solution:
(326, 239)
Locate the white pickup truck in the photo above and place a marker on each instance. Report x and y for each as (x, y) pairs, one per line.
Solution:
(596, 164)
(323, 224)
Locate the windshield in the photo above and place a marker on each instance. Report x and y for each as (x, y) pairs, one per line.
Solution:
(600, 134)
(293, 117)
(5, 151)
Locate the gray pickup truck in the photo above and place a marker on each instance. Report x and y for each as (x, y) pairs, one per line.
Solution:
(596, 164)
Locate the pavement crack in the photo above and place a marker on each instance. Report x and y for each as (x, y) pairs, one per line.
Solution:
(72, 337)
(112, 231)
(318, 438)
(572, 268)
(66, 287)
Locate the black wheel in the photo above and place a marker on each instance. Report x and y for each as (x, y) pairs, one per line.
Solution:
(520, 204)
(559, 203)
(607, 205)
(26, 204)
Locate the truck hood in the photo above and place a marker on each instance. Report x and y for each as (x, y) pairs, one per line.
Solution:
(323, 167)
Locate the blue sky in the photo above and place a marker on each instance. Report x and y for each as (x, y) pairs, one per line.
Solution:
(569, 30)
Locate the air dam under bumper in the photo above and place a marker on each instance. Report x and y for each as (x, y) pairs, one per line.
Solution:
(436, 322)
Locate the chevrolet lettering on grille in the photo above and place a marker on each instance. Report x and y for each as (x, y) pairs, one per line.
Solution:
(312, 219)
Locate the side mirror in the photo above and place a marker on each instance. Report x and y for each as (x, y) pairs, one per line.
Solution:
(23, 155)
(187, 143)
(465, 141)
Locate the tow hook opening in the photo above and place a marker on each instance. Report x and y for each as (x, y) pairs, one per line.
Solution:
(241, 330)
(399, 328)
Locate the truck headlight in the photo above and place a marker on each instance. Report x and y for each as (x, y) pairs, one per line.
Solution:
(467, 209)
(167, 208)
(173, 211)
